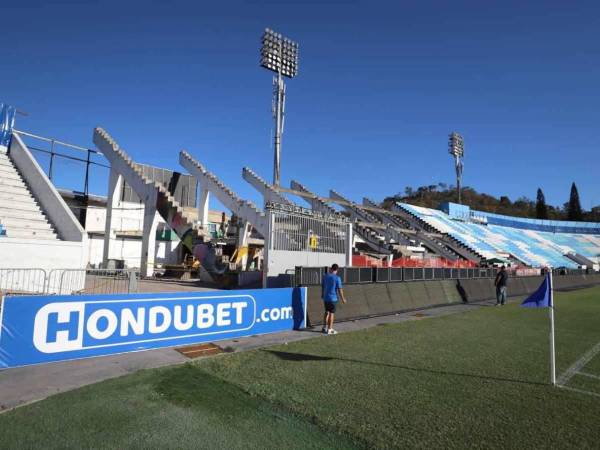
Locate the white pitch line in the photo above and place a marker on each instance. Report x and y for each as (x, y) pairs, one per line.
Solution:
(591, 375)
(581, 391)
(579, 364)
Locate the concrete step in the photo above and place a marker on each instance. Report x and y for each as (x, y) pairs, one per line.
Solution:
(7, 165)
(6, 162)
(19, 190)
(12, 223)
(11, 182)
(30, 234)
(8, 198)
(9, 174)
(17, 205)
(14, 212)
(22, 191)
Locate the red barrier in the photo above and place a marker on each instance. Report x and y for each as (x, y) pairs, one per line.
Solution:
(369, 261)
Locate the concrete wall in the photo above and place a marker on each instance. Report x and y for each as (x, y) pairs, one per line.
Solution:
(375, 299)
(127, 216)
(281, 260)
(66, 225)
(42, 254)
(129, 250)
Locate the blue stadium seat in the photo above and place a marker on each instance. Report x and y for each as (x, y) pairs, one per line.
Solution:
(524, 242)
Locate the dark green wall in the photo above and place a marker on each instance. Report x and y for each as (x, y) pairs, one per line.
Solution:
(375, 299)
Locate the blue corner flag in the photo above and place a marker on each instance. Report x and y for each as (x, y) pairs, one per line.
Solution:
(542, 298)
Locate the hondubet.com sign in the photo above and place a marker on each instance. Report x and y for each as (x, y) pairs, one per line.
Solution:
(38, 329)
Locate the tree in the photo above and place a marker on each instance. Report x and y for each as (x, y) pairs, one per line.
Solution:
(541, 209)
(574, 208)
(505, 201)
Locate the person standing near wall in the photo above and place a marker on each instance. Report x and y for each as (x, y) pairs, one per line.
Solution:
(331, 288)
(500, 283)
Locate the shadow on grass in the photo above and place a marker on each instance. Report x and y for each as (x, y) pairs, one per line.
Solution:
(288, 356)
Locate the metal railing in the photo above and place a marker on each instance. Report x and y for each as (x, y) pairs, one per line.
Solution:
(23, 281)
(300, 232)
(306, 276)
(67, 281)
(98, 281)
(53, 154)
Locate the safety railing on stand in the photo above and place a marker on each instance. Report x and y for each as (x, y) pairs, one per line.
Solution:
(49, 152)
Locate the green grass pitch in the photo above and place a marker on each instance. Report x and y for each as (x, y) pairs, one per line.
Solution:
(472, 380)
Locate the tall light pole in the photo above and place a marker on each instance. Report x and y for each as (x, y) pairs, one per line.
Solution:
(280, 55)
(456, 147)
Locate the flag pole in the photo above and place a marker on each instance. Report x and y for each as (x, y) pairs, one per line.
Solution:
(552, 350)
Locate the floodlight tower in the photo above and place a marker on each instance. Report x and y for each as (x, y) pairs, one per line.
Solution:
(456, 147)
(280, 55)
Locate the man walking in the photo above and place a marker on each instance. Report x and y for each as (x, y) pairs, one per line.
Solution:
(331, 288)
(500, 283)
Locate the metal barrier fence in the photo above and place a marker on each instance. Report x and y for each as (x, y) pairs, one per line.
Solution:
(296, 231)
(67, 281)
(98, 281)
(306, 276)
(23, 281)
(565, 271)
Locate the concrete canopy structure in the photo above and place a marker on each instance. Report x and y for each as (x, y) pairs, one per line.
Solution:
(156, 198)
(292, 235)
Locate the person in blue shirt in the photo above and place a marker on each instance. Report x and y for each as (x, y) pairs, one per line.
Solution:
(331, 288)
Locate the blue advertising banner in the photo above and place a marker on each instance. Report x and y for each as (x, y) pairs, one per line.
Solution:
(39, 329)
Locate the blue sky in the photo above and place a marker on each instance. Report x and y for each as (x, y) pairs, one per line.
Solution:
(380, 87)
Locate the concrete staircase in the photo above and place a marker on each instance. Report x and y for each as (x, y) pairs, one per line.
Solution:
(184, 225)
(316, 204)
(20, 214)
(446, 244)
(580, 259)
(357, 212)
(266, 189)
(370, 236)
(402, 219)
(244, 209)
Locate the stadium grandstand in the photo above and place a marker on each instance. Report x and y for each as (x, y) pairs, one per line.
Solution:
(535, 243)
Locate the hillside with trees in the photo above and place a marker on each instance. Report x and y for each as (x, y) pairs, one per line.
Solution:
(433, 195)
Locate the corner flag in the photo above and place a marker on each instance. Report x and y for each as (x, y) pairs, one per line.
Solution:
(543, 298)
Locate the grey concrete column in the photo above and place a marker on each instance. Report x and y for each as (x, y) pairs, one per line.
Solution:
(149, 236)
(349, 242)
(267, 247)
(203, 206)
(115, 187)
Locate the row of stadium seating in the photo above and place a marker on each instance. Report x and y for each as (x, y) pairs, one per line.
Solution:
(534, 248)
(552, 226)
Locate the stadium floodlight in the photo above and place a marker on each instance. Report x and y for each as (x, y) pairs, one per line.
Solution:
(280, 55)
(456, 147)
